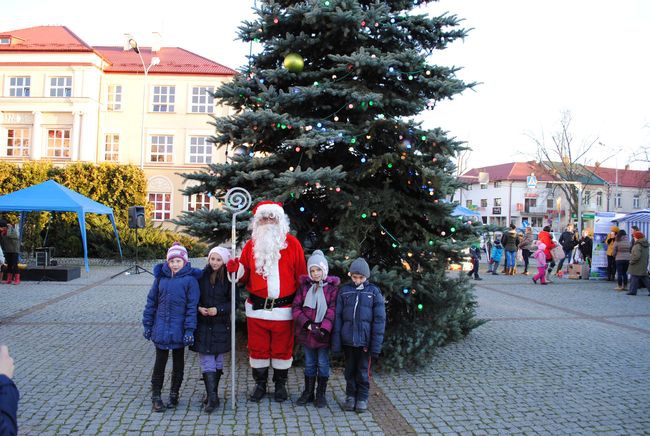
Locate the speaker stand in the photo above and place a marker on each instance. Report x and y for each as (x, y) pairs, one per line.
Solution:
(135, 268)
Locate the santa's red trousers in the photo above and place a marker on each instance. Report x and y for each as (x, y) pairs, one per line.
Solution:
(270, 343)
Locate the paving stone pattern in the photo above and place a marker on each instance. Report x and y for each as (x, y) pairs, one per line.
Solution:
(568, 358)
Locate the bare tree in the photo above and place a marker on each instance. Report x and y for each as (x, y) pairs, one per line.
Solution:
(565, 160)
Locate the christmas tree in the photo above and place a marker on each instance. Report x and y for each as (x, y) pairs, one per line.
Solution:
(324, 123)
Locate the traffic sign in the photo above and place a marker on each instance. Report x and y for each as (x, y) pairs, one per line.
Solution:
(531, 181)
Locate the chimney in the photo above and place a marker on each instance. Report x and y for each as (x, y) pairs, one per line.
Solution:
(156, 39)
(627, 167)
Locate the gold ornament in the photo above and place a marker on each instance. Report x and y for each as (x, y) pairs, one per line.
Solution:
(294, 63)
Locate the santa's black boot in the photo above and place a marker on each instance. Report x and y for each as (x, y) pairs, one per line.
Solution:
(280, 377)
(260, 375)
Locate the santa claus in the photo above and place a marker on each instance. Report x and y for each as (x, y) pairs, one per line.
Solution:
(269, 266)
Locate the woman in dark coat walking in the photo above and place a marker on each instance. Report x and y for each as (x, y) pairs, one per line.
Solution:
(212, 336)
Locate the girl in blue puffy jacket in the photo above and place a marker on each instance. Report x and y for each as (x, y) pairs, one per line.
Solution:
(169, 320)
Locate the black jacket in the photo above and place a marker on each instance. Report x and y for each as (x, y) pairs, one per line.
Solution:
(568, 240)
(212, 335)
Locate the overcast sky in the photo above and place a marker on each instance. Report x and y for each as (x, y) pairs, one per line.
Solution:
(533, 60)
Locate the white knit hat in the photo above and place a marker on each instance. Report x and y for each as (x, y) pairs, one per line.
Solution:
(177, 250)
(318, 259)
(221, 251)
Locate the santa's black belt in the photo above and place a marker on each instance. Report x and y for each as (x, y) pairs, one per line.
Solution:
(270, 303)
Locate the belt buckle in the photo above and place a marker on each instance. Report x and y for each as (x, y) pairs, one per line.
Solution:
(268, 306)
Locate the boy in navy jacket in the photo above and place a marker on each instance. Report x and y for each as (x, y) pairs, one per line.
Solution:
(358, 332)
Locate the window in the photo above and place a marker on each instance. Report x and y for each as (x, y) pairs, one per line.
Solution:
(497, 184)
(19, 86)
(586, 197)
(468, 204)
(58, 143)
(5, 41)
(198, 201)
(536, 221)
(497, 202)
(162, 148)
(648, 199)
(484, 202)
(114, 98)
(200, 150)
(550, 203)
(202, 101)
(164, 98)
(162, 205)
(617, 200)
(484, 186)
(60, 86)
(636, 202)
(599, 199)
(112, 148)
(17, 142)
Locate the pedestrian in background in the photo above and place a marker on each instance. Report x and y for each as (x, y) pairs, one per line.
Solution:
(212, 337)
(540, 259)
(527, 247)
(9, 395)
(546, 238)
(358, 332)
(586, 245)
(495, 257)
(10, 243)
(475, 254)
(568, 240)
(510, 242)
(611, 261)
(169, 320)
(621, 253)
(639, 263)
(313, 310)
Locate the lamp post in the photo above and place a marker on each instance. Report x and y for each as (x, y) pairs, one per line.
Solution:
(155, 60)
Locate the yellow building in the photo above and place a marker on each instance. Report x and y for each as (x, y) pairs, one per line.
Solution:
(65, 101)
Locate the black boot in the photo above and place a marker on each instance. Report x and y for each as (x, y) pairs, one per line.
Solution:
(321, 401)
(260, 375)
(280, 379)
(210, 381)
(308, 394)
(177, 381)
(157, 404)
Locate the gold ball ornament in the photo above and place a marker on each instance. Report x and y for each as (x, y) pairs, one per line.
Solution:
(294, 62)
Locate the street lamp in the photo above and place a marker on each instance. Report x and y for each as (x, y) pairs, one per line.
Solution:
(155, 60)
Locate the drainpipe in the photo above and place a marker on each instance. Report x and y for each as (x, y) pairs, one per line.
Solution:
(510, 204)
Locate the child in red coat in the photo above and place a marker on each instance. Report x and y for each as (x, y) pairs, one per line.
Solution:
(314, 309)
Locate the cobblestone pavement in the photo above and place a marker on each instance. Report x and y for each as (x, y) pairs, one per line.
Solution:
(568, 358)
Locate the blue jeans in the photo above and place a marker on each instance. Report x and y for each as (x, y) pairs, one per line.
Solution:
(511, 256)
(567, 256)
(317, 359)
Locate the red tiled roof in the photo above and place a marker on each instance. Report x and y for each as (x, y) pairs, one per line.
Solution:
(508, 171)
(173, 60)
(44, 38)
(629, 178)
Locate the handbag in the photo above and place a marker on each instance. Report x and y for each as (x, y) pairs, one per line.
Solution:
(557, 253)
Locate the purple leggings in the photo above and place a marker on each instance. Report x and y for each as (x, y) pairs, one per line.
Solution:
(211, 362)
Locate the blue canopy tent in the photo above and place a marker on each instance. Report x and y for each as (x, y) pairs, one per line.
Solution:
(463, 211)
(640, 218)
(50, 196)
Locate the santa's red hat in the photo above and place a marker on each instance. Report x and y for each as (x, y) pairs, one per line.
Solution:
(268, 207)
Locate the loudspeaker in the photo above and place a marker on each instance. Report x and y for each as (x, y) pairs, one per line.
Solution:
(136, 217)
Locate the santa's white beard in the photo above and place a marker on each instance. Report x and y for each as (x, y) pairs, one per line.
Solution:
(268, 240)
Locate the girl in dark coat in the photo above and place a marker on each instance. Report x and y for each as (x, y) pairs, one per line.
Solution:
(212, 336)
(313, 310)
(169, 320)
